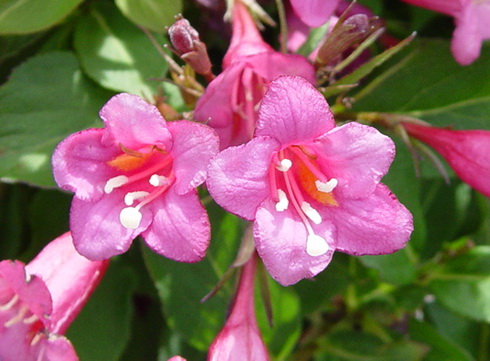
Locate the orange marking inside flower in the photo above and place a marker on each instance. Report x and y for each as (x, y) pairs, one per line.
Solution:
(307, 180)
(128, 162)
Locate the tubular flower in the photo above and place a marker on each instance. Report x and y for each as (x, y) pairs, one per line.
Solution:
(471, 18)
(240, 338)
(312, 188)
(466, 151)
(230, 102)
(39, 301)
(137, 176)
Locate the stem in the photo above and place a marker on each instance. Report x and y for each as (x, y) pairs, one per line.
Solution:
(282, 25)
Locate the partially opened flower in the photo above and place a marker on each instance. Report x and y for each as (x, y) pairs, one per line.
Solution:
(39, 301)
(466, 151)
(137, 176)
(472, 19)
(312, 188)
(230, 102)
(240, 338)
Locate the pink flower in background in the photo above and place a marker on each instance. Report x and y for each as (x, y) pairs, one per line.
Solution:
(230, 102)
(240, 338)
(314, 13)
(312, 188)
(176, 358)
(137, 176)
(39, 301)
(466, 151)
(472, 20)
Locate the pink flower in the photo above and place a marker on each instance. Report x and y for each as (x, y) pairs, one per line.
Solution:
(176, 358)
(137, 176)
(466, 151)
(39, 301)
(312, 188)
(472, 19)
(230, 102)
(314, 12)
(240, 338)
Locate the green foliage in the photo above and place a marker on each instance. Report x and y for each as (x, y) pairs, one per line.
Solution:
(151, 14)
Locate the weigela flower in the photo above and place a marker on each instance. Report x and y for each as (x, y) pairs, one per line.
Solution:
(39, 301)
(240, 338)
(472, 19)
(312, 188)
(466, 151)
(230, 102)
(137, 176)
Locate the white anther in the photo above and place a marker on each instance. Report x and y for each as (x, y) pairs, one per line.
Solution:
(284, 165)
(18, 317)
(115, 182)
(158, 180)
(326, 187)
(130, 197)
(311, 213)
(316, 245)
(130, 217)
(10, 303)
(29, 320)
(283, 203)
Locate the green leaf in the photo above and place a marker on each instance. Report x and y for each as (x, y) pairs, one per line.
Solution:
(151, 14)
(181, 285)
(116, 54)
(27, 16)
(102, 329)
(46, 99)
(428, 84)
(441, 348)
(463, 284)
(396, 268)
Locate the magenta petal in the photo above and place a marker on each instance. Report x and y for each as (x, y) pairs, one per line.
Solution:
(293, 111)
(96, 229)
(379, 224)
(280, 239)
(358, 156)
(314, 12)
(58, 348)
(193, 147)
(180, 229)
(134, 123)
(79, 163)
(238, 176)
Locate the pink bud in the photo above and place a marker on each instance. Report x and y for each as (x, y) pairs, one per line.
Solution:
(466, 151)
(182, 36)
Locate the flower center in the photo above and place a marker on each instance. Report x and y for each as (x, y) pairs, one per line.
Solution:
(153, 165)
(296, 179)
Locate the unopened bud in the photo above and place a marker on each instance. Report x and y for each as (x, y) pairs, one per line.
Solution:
(186, 43)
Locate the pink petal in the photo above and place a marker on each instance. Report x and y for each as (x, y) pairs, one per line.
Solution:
(96, 229)
(180, 229)
(314, 12)
(193, 147)
(449, 7)
(357, 155)
(293, 112)
(238, 176)
(58, 348)
(379, 224)
(280, 239)
(79, 163)
(134, 123)
(467, 39)
(70, 278)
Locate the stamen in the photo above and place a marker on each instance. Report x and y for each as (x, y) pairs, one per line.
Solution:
(311, 213)
(316, 245)
(17, 318)
(158, 180)
(37, 338)
(283, 203)
(130, 217)
(115, 182)
(326, 187)
(130, 197)
(10, 303)
(29, 320)
(284, 165)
